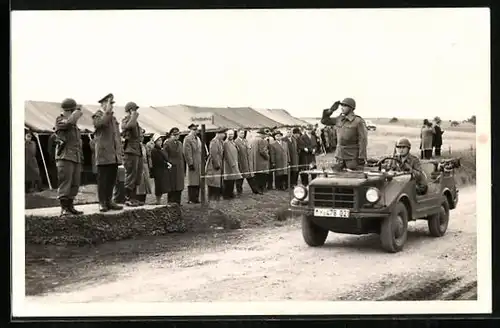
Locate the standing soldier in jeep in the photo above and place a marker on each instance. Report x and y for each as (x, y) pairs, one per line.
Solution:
(350, 135)
(69, 155)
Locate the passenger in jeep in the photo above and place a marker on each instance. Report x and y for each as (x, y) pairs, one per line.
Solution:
(409, 162)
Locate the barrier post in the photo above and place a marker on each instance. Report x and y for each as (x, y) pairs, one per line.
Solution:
(203, 163)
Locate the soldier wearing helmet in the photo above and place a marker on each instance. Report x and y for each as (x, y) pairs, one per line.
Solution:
(108, 152)
(409, 162)
(350, 136)
(69, 155)
(132, 150)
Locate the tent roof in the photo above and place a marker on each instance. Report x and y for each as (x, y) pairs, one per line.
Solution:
(149, 119)
(182, 115)
(40, 116)
(239, 117)
(282, 116)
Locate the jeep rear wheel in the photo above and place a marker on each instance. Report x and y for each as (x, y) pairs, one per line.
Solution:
(394, 229)
(438, 223)
(313, 234)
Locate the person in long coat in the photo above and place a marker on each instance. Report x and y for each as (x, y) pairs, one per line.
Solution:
(270, 174)
(437, 140)
(160, 168)
(426, 135)
(231, 167)
(280, 159)
(176, 174)
(192, 154)
(260, 159)
(108, 152)
(244, 164)
(307, 158)
(214, 165)
(144, 187)
(31, 169)
(291, 141)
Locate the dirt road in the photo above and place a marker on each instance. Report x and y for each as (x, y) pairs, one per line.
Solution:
(275, 264)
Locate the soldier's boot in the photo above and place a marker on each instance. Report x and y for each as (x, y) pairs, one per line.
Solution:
(112, 205)
(72, 208)
(65, 211)
(129, 198)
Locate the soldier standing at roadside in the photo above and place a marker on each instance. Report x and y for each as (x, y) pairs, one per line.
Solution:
(108, 152)
(132, 160)
(69, 155)
(350, 135)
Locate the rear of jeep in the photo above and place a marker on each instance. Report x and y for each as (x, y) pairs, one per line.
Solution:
(350, 203)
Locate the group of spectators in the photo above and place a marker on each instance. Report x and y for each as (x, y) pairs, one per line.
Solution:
(128, 168)
(431, 138)
(272, 159)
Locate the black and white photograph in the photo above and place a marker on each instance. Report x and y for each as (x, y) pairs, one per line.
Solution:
(251, 162)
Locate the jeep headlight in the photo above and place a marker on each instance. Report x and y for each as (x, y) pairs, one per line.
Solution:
(372, 195)
(300, 192)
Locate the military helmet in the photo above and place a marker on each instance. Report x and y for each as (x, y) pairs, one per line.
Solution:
(68, 104)
(403, 142)
(130, 106)
(349, 102)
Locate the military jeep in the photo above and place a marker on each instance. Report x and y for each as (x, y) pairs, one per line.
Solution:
(374, 200)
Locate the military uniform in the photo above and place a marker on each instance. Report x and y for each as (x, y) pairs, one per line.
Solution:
(350, 138)
(108, 155)
(132, 150)
(411, 163)
(69, 156)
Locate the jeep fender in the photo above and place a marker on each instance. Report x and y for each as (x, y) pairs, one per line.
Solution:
(405, 199)
(449, 196)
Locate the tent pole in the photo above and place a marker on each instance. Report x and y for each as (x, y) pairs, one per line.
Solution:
(43, 159)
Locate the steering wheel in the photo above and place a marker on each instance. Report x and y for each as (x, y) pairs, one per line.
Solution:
(383, 160)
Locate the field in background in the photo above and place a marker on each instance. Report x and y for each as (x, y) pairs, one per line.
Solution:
(406, 122)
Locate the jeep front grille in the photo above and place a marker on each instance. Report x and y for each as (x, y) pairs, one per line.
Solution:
(334, 197)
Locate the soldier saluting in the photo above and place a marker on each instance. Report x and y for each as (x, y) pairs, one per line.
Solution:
(132, 159)
(350, 137)
(108, 152)
(69, 155)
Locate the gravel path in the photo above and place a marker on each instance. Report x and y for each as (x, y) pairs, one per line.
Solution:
(275, 264)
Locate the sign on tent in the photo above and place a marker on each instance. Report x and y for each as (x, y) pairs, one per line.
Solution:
(203, 118)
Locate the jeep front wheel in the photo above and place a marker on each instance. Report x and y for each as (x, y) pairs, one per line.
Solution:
(313, 235)
(438, 223)
(394, 229)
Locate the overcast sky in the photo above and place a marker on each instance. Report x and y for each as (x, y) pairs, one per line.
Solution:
(405, 63)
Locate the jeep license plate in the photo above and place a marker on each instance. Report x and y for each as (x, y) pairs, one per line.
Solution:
(331, 212)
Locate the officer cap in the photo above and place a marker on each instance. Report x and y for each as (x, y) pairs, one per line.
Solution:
(68, 104)
(109, 95)
(173, 130)
(130, 106)
(192, 126)
(403, 142)
(349, 102)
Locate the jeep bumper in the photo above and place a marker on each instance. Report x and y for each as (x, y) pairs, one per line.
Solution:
(358, 222)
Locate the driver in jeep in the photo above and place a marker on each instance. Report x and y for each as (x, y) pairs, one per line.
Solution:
(410, 163)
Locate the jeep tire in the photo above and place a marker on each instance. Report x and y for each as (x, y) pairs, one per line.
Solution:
(394, 229)
(313, 234)
(438, 223)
